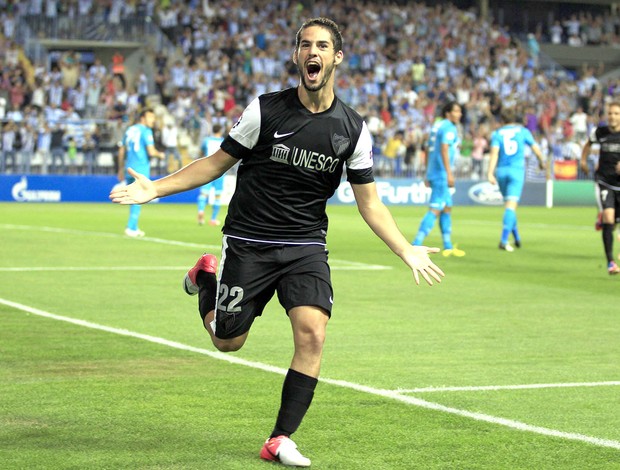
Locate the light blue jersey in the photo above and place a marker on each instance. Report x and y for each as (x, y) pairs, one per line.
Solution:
(511, 141)
(443, 132)
(136, 140)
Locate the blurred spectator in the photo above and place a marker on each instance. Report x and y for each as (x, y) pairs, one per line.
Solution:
(394, 151)
(480, 145)
(533, 49)
(93, 93)
(90, 149)
(8, 147)
(170, 141)
(72, 156)
(97, 71)
(44, 143)
(118, 66)
(69, 69)
(26, 150)
(57, 163)
(579, 121)
(556, 33)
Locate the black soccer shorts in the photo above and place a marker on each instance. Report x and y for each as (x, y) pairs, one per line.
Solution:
(610, 198)
(251, 272)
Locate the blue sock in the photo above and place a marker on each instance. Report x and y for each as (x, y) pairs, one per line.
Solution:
(216, 208)
(202, 202)
(445, 223)
(427, 224)
(134, 215)
(515, 231)
(508, 224)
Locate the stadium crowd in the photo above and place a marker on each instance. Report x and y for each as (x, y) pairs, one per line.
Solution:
(585, 28)
(402, 62)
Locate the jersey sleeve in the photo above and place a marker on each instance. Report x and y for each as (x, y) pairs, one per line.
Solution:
(495, 139)
(359, 164)
(449, 135)
(148, 137)
(528, 138)
(244, 134)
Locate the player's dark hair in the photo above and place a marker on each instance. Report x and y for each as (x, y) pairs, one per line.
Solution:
(448, 108)
(326, 23)
(509, 115)
(217, 128)
(144, 111)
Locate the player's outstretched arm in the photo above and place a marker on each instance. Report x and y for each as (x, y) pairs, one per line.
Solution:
(140, 191)
(583, 162)
(494, 155)
(416, 257)
(539, 156)
(191, 176)
(379, 219)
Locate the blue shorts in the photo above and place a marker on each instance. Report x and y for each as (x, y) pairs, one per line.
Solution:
(441, 196)
(510, 183)
(217, 185)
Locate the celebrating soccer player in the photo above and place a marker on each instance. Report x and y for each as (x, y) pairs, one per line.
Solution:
(293, 146)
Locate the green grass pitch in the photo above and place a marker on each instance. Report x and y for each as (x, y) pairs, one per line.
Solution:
(513, 361)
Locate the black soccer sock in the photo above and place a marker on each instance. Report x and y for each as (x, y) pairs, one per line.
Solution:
(297, 393)
(608, 241)
(207, 288)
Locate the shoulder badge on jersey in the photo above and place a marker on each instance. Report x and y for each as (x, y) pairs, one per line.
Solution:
(340, 143)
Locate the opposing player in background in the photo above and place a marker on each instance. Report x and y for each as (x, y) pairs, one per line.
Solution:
(134, 152)
(607, 177)
(293, 146)
(442, 149)
(209, 146)
(507, 169)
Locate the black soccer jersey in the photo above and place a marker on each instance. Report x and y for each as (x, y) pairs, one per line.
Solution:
(608, 172)
(292, 162)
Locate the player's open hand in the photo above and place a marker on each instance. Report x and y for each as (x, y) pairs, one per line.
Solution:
(140, 191)
(420, 263)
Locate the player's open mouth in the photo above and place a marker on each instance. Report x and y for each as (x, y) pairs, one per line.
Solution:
(313, 69)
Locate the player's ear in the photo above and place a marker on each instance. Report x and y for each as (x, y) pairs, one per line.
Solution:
(339, 57)
(295, 56)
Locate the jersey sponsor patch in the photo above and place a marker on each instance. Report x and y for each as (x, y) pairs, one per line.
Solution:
(303, 158)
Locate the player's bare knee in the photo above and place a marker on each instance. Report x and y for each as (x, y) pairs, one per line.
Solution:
(311, 339)
(228, 345)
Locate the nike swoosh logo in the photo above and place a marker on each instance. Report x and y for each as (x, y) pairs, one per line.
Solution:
(276, 135)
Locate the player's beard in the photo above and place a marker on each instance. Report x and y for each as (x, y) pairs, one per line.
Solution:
(327, 74)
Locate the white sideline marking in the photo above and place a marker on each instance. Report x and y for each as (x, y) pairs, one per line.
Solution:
(335, 264)
(340, 383)
(507, 387)
(106, 234)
